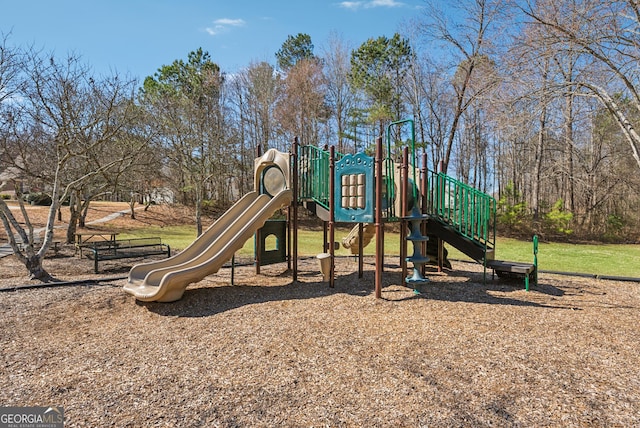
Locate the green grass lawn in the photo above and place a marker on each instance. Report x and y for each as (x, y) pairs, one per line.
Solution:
(605, 259)
(600, 259)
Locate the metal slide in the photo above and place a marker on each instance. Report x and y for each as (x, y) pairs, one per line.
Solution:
(165, 280)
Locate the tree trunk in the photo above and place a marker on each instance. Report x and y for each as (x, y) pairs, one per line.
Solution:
(132, 205)
(568, 153)
(32, 260)
(542, 123)
(33, 264)
(74, 215)
(82, 220)
(619, 115)
(199, 197)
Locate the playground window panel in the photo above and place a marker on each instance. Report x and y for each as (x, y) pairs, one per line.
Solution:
(353, 191)
(271, 243)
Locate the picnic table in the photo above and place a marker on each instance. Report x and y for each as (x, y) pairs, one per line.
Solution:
(126, 248)
(93, 238)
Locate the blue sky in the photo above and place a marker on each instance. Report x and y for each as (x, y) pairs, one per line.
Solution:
(136, 37)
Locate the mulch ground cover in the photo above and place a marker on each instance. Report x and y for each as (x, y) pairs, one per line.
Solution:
(268, 351)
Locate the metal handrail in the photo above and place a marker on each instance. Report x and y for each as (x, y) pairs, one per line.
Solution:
(314, 174)
(469, 211)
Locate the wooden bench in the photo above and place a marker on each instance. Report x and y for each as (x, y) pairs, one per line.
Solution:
(126, 249)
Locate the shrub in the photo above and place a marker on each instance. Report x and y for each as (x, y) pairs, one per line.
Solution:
(512, 211)
(5, 196)
(615, 226)
(558, 220)
(39, 198)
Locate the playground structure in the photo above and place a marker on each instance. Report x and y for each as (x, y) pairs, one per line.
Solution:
(426, 203)
(341, 188)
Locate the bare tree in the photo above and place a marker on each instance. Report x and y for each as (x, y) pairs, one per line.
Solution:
(607, 33)
(302, 109)
(64, 118)
(339, 96)
(185, 100)
(256, 91)
(470, 41)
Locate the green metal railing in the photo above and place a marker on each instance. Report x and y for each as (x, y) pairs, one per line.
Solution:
(469, 211)
(314, 174)
(314, 179)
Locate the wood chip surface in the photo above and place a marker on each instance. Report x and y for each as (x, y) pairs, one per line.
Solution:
(268, 351)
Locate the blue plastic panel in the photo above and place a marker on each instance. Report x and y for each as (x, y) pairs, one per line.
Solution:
(354, 190)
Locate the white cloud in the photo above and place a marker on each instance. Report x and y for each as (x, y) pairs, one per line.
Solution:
(355, 5)
(222, 25)
(384, 3)
(231, 22)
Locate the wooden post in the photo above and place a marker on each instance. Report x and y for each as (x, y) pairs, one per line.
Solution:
(440, 197)
(256, 236)
(257, 248)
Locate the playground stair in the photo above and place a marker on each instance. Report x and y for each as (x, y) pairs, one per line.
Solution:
(481, 253)
(464, 217)
(468, 246)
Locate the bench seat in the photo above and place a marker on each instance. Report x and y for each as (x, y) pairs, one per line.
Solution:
(127, 248)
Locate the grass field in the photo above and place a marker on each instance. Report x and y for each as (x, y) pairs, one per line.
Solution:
(604, 259)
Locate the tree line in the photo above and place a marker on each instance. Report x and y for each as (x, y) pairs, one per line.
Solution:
(533, 102)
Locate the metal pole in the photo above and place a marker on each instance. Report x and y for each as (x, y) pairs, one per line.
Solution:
(404, 185)
(440, 207)
(325, 237)
(424, 200)
(294, 204)
(233, 268)
(332, 217)
(378, 219)
(360, 250)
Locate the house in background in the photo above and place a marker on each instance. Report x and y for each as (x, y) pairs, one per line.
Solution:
(9, 178)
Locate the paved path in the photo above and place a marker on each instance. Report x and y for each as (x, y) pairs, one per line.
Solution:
(6, 250)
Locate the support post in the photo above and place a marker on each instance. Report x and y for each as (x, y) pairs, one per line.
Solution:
(325, 237)
(294, 206)
(404, 185)
(424, 201)
(332, 216)
(257, 248)
(378, 219)
(440, 197)
(360, 250)
(233, 269)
